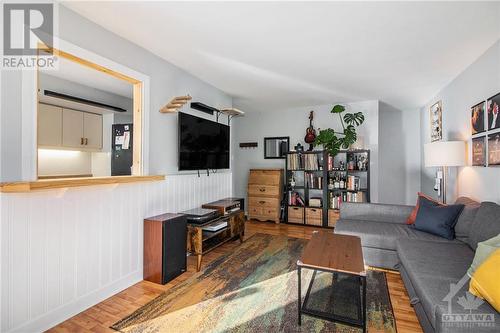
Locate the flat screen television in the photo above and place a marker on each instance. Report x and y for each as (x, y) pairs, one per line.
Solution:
(203, 144)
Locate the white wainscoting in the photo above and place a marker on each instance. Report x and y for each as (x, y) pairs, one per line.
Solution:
(63, 251)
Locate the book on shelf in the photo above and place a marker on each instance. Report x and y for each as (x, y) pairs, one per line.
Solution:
(294, 199)
(353, 183)
(314, 181)
(297, 161)
(336, 200)
(315, 202)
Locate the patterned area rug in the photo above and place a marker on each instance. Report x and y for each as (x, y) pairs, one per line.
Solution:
(253, 289)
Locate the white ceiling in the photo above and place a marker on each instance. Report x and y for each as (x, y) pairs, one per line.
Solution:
(274, 55)
(75, 72)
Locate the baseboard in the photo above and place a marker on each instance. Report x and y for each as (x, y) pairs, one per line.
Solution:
(68, 310)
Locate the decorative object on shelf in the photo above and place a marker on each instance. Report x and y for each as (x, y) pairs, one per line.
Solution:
(276, 147)
(477, 118)
(494, 149)
(436, 120)
(299, 148)
(230, 113)
(310, 132)
(444, 154)
(249, 144)
(175, 104)
(493, 112)
(328, 137)
(479, 151)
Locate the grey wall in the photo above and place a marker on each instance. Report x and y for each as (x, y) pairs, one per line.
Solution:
(478, 82)
(166, 82)
(257, 124)
(399, 155)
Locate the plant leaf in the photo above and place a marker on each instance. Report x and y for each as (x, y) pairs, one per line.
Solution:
(354, 118)
(338, 109)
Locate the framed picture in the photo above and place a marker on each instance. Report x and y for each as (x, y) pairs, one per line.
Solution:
(479, 151)
(436, 116)
(477, 118)
(494, 149)
(493, 112)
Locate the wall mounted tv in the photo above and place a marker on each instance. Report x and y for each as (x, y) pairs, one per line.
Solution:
(203, 144)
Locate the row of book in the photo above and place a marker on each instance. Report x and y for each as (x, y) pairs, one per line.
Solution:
(335, 201)
(353, 183)
(315, 181)
(303, 161)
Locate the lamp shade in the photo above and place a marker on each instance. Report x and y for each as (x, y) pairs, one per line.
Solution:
(444, 153)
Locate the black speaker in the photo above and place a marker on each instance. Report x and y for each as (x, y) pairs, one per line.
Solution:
(174, 248)
(164, 247)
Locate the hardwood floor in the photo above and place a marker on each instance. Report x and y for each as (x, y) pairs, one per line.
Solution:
(99, 317)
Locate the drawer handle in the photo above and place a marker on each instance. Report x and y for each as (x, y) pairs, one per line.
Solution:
(295, 208)
(313, 210)
(262, 202)
(262, 189)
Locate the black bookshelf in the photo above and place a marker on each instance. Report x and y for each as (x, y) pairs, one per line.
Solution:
(320, 188)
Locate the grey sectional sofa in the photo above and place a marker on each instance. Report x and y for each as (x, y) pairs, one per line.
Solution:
(433, 269)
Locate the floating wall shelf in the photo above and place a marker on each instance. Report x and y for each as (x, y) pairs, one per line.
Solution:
(175, 104)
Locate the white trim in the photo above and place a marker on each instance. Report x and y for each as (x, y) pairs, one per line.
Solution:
(49, 320)
(29, 107)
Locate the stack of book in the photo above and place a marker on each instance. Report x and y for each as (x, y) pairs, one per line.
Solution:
(311, 162)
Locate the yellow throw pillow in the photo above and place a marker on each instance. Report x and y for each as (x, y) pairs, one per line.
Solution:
(484, 282)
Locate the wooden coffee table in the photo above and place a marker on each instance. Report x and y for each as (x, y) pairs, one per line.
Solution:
(342, 256)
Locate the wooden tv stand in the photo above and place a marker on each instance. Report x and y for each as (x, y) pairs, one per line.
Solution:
(200, 242)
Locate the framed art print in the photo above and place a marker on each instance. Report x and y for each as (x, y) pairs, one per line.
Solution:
(494, 149)
(477, 118)
(493, 110)
(436, 117)
(479, 151)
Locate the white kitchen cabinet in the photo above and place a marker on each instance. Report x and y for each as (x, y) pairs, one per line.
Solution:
(49, 125)
(92, 130)
(72, 129)
(82, 130)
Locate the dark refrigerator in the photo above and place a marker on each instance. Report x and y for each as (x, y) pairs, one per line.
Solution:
(121, 149)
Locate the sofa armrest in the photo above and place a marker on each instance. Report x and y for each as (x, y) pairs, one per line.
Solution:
(375, 212)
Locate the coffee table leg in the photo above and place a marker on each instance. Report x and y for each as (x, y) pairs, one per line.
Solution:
(300, 295)
(363, 283)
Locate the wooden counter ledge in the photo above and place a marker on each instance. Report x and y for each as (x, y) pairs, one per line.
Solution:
(47, 184)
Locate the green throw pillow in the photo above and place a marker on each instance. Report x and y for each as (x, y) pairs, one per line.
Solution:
(483, 251)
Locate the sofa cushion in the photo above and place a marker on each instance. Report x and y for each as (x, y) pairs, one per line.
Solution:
(382, 235)
(436, 219)
(466, 218)
(432, 267)
(413, 216)
(486, 224)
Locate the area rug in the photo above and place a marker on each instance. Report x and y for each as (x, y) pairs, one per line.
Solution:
(253, 289)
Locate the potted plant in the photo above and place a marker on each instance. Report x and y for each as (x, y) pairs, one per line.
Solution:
(331, 140)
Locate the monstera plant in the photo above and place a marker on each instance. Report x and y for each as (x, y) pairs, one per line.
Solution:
(331, 140)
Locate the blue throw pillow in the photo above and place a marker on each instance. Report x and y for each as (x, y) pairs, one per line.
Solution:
(437, 220)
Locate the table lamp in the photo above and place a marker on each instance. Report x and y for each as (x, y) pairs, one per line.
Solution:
(444, 154)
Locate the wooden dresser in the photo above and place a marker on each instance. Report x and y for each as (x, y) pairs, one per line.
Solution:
(265, 188)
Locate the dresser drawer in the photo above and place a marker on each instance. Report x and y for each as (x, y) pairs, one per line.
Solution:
(268, 177)
(253, 211)
(263, 190)
(295, 215)
(333, 216)
(263, 202)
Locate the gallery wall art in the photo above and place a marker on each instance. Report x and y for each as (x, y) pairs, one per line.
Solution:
(477, 118)
(485, 130)
(479, 151)
(436, 119)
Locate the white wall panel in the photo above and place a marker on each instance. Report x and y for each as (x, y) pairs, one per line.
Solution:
(65, 250)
